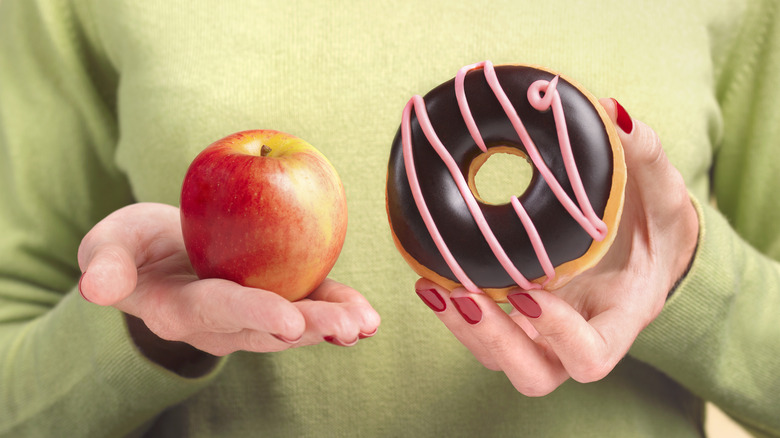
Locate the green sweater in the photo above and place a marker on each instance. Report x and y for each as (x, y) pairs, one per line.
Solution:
(105, 103)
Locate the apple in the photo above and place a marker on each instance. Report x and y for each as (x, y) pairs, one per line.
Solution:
(264, 209)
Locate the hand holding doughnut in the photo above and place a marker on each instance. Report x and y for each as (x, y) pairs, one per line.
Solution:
(134, 260)
(584, 328)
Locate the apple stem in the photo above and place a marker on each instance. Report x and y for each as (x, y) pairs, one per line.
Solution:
(264, 151)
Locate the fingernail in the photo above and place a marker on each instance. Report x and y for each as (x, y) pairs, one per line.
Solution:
(285, 340)
(367, 335)
(469, 309)
(624, 121)
(335, 341)
(525, 304)
(432, 299)
(80, 291)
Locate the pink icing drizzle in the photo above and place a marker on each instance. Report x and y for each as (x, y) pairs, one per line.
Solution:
(582, 211)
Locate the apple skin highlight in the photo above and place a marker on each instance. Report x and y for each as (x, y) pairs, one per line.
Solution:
(269, 219)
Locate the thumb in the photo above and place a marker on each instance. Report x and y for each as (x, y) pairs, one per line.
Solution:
(112, 251)
(644, 153)
(653, 182)
(109, 273)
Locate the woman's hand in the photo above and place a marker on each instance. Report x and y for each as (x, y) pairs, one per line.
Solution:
(135, 260)
(583, 329)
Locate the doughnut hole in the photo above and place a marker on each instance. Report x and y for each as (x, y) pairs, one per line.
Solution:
(500, 173)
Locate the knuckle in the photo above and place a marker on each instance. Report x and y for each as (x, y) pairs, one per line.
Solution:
(647, 149)
(592, 370)
(536, 382)
(251, 343)
(255, 314)
(204, 315)
(164, 331)
(210, 345)
(649, 138)
(219, 351)
(271, 316)
(536, 388)
(208, 322)
(498, 346)
(539, 392)
(165, 326)
(343, 326)
(490, 364)
(258, 342)
(368, 316)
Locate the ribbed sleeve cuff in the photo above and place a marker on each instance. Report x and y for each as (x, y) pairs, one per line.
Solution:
(121, 389)
(717, 335)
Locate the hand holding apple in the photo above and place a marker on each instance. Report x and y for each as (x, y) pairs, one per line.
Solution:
(264, 209)
(135, 261)
(284, 223)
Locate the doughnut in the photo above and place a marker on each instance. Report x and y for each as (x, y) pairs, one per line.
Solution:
(561, 225)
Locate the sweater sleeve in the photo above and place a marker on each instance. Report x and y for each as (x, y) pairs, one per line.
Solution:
(66, 366)
(718, 335)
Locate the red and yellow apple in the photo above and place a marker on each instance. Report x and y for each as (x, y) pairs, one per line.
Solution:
(264, 209)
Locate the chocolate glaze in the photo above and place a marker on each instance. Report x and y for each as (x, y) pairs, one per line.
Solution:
(563, 238)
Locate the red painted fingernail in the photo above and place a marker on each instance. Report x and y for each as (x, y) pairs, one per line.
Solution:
(525, 304)
(335, 341)
(80, 291)
(285, 340)
(469, 309)
(432, 299)
(367, 335)
(624, 121)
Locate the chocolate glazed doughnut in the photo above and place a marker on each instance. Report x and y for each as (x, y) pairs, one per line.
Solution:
(561, 225)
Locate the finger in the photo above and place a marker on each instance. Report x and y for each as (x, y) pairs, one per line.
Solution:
(109, 275)
(113, 249)
(357, 305)
(654, 185)
(497, 341)
(526, 363)
(216, 316)
(222, 344)
(588, 350)
(217, 305)
(646, 160)
(182, 308)
(522, 321)
(331, 322)
(335, 292)
(142, 230)
(437, 299)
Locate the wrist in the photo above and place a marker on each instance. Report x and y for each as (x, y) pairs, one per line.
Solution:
(689, 245)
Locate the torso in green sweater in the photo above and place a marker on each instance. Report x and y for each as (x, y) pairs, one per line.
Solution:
(339, 78)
